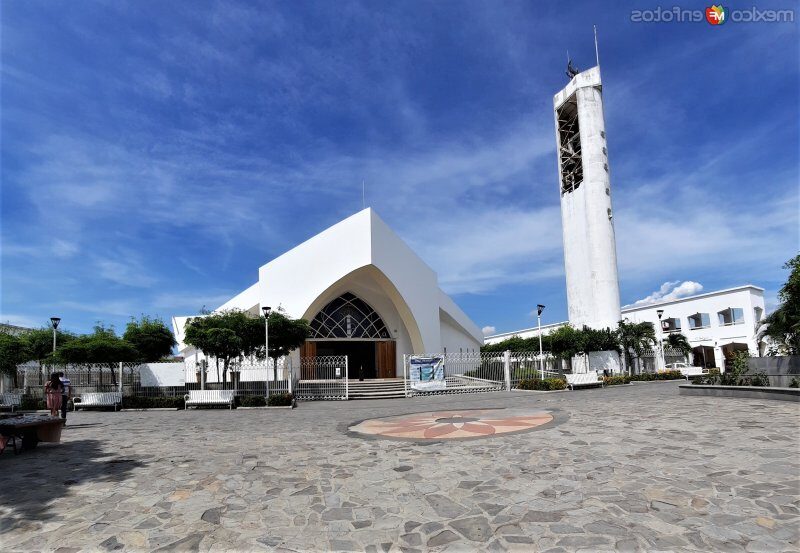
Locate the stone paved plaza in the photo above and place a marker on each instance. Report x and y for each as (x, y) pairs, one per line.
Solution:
(623, 469)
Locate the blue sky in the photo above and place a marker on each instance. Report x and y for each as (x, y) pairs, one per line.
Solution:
(154, 154)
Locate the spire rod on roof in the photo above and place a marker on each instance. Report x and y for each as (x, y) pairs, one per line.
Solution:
(596, 50)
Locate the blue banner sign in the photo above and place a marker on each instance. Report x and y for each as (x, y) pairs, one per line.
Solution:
(426, 373)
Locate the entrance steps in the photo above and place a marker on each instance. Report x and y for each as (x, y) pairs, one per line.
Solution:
(383, 388)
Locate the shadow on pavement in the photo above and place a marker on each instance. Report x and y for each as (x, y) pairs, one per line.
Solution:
(35, 480)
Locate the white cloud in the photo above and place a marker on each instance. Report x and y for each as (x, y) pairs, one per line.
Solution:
(487, 330)
(671, 291)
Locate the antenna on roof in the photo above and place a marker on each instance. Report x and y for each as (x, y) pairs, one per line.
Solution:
(596, 50)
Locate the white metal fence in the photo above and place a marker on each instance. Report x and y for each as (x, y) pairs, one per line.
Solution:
(323, 377)
(486, 372)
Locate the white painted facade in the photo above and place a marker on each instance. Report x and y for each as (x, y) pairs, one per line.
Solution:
(363, 256)
(723, 328)
(590, 254)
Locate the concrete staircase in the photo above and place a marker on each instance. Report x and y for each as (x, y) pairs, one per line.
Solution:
(388, 388)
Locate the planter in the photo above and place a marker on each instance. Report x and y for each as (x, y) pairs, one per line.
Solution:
(744, 392)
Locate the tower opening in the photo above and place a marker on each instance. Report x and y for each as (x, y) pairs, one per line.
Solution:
(569, 146)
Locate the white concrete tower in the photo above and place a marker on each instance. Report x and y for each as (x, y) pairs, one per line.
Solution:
(590, 253)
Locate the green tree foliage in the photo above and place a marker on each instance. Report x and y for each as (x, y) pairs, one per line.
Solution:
(285, 334)
(635, 339)
(246, 335)
(39, 343)
(103, 346)
(678, 341)
(515, 343)
(782, 326)
(150, 337)
(13, 351)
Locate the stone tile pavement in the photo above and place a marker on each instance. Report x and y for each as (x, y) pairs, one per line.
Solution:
(629, 468)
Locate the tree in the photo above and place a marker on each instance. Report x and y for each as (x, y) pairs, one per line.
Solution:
(565, 342)
(678, 341)
(103, 346)
(285, 335)
(39, 342)
(782, 326)
(635, 339)
(150, 337)
(13, 351)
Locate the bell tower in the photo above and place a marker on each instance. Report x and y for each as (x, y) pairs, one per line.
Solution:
(590, 252)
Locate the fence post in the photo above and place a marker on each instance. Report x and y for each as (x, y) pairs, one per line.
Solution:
(346, 377)
(507, 368)
(289, 368)
(405, 374)
(120, 377)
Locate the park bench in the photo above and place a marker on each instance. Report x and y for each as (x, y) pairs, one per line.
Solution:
(98, 399)
(689, 372)
(584, 379)
(10, 399)
(209, 397)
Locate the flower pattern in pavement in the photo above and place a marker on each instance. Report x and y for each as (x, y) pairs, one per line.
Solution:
(448, 425)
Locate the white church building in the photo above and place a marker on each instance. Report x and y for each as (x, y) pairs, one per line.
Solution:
(366, 294)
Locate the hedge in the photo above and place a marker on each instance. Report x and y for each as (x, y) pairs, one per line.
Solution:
(665, 375)
(280, 400)
(616, 380)
(545, 385)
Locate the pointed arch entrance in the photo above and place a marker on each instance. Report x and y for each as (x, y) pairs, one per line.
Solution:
(349, 326)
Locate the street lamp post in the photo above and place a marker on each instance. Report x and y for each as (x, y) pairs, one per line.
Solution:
(266, 310)
(539, 309)
(660, 313)
(54, 321)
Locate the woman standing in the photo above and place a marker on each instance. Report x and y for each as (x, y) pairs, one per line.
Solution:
(53, 390)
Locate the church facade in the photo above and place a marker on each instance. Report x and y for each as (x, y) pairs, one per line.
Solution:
(366, 295)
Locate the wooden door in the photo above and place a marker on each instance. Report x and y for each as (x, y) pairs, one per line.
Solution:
(386, 358)
(308, 349)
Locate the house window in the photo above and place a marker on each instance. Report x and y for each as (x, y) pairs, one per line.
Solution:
(673, 324)
(758, 314)
(348, 317)
(731, 316)
(699, 320)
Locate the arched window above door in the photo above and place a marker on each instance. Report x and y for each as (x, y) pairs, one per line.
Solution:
(348, 317)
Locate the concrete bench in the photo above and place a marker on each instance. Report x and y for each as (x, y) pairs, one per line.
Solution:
(98, 399)
(9, 399)
(583, 379)
(209, 397)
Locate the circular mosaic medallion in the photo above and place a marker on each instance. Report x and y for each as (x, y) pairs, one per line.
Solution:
(454, 425)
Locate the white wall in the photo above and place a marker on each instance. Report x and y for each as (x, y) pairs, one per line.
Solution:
(745, 297)
(454, 338)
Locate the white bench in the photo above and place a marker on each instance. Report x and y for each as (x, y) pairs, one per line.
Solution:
(584, 379)
(98, 399)
(209, 397)
(693, 371)
(10, 399)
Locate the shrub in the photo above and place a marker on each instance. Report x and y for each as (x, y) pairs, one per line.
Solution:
(29, 403)
(280, 400)
(664, 375)
(252, 401)
(545, 385)
(153, 402)
(616, 380)
(758, 379)
(795, 383)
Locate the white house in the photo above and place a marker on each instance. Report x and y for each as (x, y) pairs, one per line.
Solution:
(717, 324)
(366, 294)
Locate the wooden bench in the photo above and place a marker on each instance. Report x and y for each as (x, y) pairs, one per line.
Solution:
(10, 399)
(98, 399)
(584, 379)
(208, 397)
